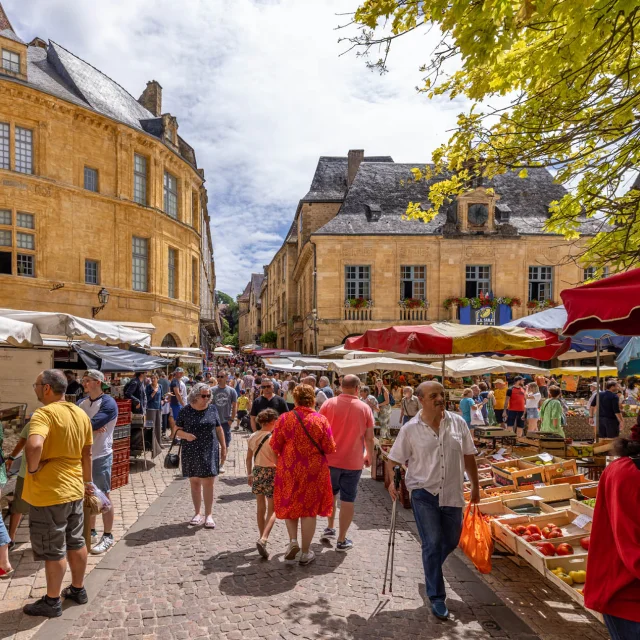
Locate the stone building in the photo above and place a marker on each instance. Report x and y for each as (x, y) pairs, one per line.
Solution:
(98, 191)
(250, 311)
(355, 264)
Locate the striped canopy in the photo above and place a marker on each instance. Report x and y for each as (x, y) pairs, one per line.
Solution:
(446, 338)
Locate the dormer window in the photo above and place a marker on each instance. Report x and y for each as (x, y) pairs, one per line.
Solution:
(10, 61)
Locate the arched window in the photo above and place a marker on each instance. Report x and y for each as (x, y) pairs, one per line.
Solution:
(169, 341)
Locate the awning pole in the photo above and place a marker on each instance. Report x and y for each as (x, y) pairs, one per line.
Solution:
(597, 420)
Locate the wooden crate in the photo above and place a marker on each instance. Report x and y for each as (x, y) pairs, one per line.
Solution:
(123, 443)
(526, 476)
(503, 534)
(529, 551)
(581, 508)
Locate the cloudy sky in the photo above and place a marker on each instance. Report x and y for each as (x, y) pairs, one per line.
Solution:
(260, 90)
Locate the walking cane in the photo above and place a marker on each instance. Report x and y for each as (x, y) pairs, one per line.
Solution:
(391, 545)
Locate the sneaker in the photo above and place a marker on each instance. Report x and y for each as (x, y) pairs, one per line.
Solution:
(45, 607)
(261, 545)
(307, 558)
(440, 610)
(106, 542)
(12, 545)
(77, 595)
(292, 551)
(327, 534)
(345, 545)
(221, 469)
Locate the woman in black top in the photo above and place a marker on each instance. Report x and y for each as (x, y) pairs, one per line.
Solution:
(203, 450)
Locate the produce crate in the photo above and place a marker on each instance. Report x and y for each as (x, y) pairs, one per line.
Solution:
(503, 534)
(564, 520)
(120, 473)
(558, 467)
(122, 433)
(587, 489)
(120, 480)
(518, 473)
(124, 417)
(530, 501)
(122, 443)
(497, 510)
(581, 508)
(568, 563)
(570, 480)
(509, 492)
(121, 455)
(531, 553)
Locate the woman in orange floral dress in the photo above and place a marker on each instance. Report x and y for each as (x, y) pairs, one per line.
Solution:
(302, 488)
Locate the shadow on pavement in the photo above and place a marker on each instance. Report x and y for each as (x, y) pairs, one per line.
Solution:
(384, 622)
(234, 497)
(233, 482)
(253, 576)
(13, 619)
(163, 532)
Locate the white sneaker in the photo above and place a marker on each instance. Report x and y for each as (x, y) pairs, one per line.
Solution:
(104, 545)
(307, 558)
(293, 549)
(221, 469)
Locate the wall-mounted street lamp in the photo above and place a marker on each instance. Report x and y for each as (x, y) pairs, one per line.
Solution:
(103, 298)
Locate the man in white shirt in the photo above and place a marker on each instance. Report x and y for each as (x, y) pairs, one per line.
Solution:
(437, 448)
(103, 412)
(321, 397)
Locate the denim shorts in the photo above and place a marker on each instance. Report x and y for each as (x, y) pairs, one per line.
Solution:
(532, 412)
(345, 482)
(101, 472)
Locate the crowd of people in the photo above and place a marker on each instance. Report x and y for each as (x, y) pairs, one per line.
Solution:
(308, 445)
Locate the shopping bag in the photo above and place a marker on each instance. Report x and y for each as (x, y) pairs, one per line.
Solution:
(475, 539)
(477, 419)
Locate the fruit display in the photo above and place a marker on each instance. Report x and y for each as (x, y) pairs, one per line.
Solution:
(549, 549)
(551, 531)
(564, 549)
(584, 543)
(565, 577)
(577, 577)
(590, 502)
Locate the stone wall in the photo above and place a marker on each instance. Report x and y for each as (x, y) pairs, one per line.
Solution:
(73, 224)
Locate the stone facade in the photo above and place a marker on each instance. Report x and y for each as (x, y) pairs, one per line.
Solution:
(250, 311)
(501, 231)
(79, 193)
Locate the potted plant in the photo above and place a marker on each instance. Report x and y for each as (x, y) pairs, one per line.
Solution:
(357, 303)
(413, 303)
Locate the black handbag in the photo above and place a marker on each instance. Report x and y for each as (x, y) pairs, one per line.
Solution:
(172, 460)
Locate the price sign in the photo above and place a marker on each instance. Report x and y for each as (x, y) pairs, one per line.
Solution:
(545, 457)
(582, 521)
(534, 497)
(498, 456)
(499, 452)
(537, 486)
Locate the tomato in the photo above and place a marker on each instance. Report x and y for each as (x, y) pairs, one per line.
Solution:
(564, 549)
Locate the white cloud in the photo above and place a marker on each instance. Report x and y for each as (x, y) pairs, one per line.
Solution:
(260, 92)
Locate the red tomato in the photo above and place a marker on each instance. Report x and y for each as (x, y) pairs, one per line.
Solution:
(547, 549)
(584, 543)
(564, 549)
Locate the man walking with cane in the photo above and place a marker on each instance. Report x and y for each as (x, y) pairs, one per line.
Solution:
(438, 448)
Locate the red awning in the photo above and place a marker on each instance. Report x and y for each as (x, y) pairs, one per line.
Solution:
(448, 339)
(611, 304)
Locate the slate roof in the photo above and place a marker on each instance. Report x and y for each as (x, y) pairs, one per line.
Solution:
(329, 182)
(256, 283)
(376, 201)
(60, 73)
(244, 296)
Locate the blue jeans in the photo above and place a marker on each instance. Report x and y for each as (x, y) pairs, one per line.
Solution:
(439, 529)
(4, 535)
(227, 433)
(621, 629)
(406, 419)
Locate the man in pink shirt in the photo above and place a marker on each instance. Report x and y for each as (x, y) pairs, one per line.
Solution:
(351, 422)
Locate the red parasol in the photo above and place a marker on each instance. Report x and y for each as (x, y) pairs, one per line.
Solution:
(447, 338)
(611, 304)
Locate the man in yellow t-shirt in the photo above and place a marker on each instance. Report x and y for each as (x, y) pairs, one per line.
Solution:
(58, 453)
(499, 399)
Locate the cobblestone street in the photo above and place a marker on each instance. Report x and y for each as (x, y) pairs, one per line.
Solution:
(167, 580)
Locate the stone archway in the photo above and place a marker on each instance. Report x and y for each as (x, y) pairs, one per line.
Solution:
(170, 340)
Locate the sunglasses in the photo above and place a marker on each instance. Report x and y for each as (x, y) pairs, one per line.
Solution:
(206, 397)
(269, 386)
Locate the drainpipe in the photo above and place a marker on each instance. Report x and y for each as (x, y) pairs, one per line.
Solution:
(314, 311)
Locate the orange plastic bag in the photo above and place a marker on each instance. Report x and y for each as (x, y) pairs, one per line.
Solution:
(476, 541)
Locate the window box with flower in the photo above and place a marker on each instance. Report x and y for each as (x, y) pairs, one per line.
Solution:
(467, 307)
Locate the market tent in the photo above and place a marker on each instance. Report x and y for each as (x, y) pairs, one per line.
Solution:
(585, 372)
(480, 365)
(64, 324)
(250, 347)
(343, 367)
(18, 334)
(106, 358)
(628, 361)
(554, 320)
(222, 351)
(286, 364)
(447, 338)
(611, 304)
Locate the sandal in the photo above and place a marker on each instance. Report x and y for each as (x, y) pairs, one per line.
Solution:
(209, 523)
(197, 520)
(5, 575)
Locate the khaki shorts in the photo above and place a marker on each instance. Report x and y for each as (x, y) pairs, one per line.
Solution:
(56, 529)
(18, 505)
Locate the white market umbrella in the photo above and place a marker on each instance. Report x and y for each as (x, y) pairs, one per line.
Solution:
(480, 365)
(222, 351)
(343, 367)
(18, 334)
(287, 364)
(74, 327)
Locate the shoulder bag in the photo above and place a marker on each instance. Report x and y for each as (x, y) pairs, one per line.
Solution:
(255, 455)
(172, 460)
(315, 444)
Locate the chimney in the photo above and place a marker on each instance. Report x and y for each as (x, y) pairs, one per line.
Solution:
(151, 98)
(355, 157)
